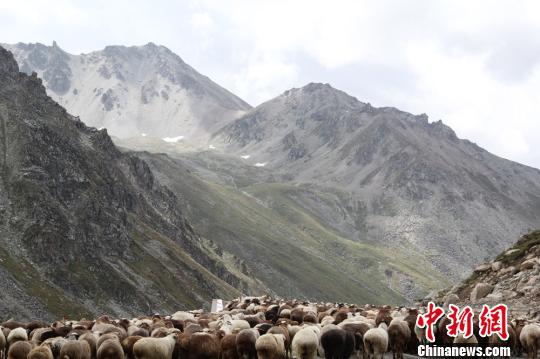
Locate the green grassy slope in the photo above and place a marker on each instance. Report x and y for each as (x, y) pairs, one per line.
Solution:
(286, 245)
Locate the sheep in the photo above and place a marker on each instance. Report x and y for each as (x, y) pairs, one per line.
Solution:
(339, 317)
(228, 347)
(183, 316)
(19, 350)
(460, 340)
(530, 339)
(11, 324)
(76, 349)
(305, 343)
(327, 320)
(41, 352)
(358, 329)
(231, 326)
(203, 346)
(383, 316)
(245, 343)
(36, 335)
(337, 343)
(282, 330)
(518, 326)
(263, 328)
(17, 334)
(411, 318)
(55, 344)
(297, 314)
(271, 346)
(155, 348)
(376, 342)
(495, 341)
(90, 338)
(398, 335)
(110, 349)
(3, 343)
(127, 346)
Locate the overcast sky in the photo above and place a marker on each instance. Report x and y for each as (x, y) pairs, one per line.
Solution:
(473, 64)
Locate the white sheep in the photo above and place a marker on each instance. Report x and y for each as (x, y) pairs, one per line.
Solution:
(232, 326)
(155, 348)
(530, 339)
(305, 343)
(270, 346)
(182, 316)
(376, 342)
(17, 334)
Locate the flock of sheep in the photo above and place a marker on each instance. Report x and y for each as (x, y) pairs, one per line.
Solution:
(254, 327)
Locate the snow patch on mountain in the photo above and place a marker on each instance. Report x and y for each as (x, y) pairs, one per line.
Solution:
(173, 139)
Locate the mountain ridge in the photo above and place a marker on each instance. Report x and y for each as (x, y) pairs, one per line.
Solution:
(132, 90)
(420, 183)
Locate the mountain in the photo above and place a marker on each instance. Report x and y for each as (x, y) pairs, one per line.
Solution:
(132, 90)
(85, 228)
(512, 278)
(287, 235)
(414, 183)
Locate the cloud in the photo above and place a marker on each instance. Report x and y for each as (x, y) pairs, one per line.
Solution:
(475, 65)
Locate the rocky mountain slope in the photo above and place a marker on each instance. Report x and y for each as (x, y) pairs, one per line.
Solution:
(512, 278)
(132, 90)
(416, 185)
(84, 228)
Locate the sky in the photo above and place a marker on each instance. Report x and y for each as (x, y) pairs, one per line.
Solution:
(473, 64)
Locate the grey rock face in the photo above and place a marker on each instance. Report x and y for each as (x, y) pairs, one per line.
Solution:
(518, 289)
(480, 291)
(85, 228)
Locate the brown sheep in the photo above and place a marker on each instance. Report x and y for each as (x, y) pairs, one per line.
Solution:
(127, 345)
(11, 324)
(203, 346)
(75, 349)
(398, 335)
(339, 317)
(283, 330)
(35, 324)
(383, 316)
(90, 338)
(105, 337)
(410, 318)
(228, 347)
(245, 343)
(19, 350)
(495, 341)
(297, 315)
(41, 352)
(110, 349)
